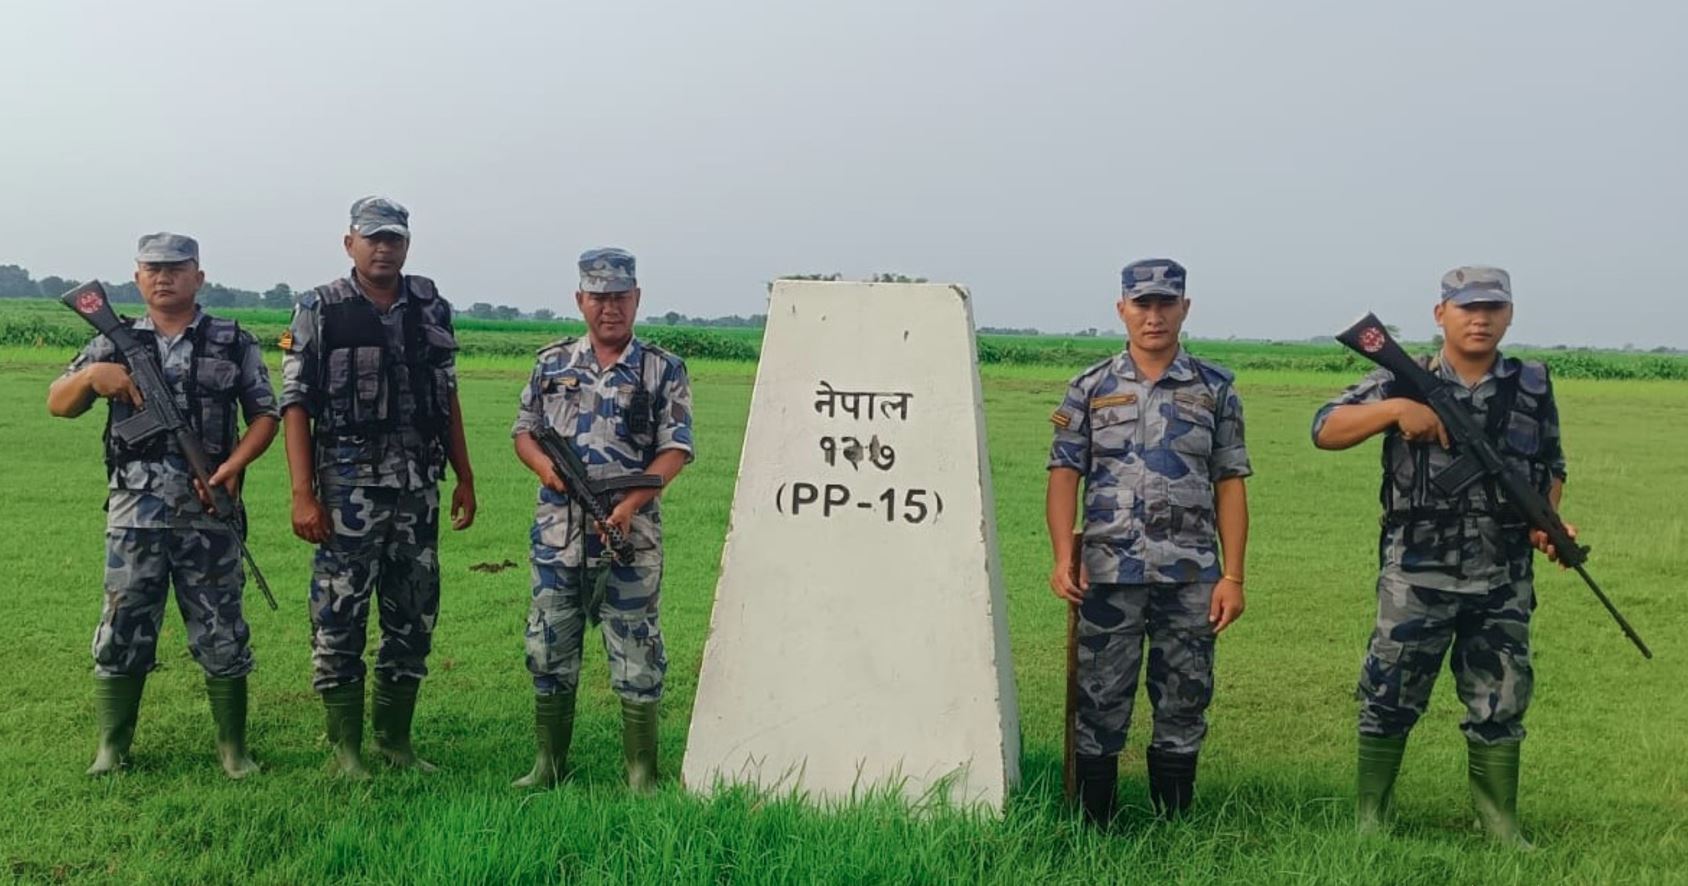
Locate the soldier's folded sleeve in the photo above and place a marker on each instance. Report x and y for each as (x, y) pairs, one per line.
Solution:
(257, 398)
(450, 362)
(528, 415)
(674, 411)
(1230, 454)
(1071, 447)
(1371, 389)
(1553, 450)
(97, 350)
(299, 357)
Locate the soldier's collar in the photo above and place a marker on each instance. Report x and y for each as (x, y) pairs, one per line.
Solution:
(1504, 367)
(403, 288)
(144, 321)
(1180, 369)
(584, 355)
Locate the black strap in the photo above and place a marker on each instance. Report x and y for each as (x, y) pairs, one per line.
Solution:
(190, 384)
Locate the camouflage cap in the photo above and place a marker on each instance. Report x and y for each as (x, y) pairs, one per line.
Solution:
(1152, 277)
(1473, 284)
(607, 270)
(163, 248)
(379, 215)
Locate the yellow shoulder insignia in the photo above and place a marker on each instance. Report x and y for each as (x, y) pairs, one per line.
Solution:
(1124, 399)
(287, 340)
(1060, 419)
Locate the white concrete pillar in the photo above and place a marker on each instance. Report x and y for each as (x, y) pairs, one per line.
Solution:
(859, 635)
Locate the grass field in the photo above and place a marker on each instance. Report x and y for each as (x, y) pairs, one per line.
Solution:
(1605, 785)
(44, 323)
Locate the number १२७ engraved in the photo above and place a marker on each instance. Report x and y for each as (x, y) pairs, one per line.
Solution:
(854, 451)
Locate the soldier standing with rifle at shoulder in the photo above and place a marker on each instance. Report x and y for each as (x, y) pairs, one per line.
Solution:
(619, 410)
(1455, 559)
(164, 526)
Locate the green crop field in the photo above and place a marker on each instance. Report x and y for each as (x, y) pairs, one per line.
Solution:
(1605, 784)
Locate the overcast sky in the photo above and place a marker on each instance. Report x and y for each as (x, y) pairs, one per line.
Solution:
(1308, 161)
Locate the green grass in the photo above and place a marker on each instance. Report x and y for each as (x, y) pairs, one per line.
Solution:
(1604, 796)
(47, 325)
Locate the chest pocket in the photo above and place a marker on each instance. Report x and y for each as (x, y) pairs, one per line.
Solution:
(1190, 429)
(1113, 429)
(217, 387)
(559, 400)
(1522, 432)
(632, 418)
(216, 376)
(356, 383)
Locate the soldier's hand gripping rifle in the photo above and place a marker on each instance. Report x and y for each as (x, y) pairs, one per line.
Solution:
(1477, 458)
(158, 413)
(593, 496)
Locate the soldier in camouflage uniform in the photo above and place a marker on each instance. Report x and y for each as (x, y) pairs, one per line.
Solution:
(1156, 436)
(626, 407)
(1453, 571)
(158, 533)
(370, 408)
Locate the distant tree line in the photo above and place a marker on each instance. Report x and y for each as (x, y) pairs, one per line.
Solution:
(15, 282)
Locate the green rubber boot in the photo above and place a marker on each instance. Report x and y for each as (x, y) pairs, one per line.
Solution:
(395, 707)
(344, 706)
(117, 705)
(638, 743)
(553, 727)
(228, 711)
(1493, 771)
(1378, 763)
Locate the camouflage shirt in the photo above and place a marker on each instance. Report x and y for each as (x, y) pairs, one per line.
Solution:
(158, 493)
(592, 408)
(402, 458)
(1149, 453)
(1466, 545)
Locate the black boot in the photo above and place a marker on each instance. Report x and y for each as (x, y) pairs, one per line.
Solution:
(553, 727)
(395, 707)
(228, 711)
(1098, 783)
(1172, 782)
(344, 707)
(117, 705)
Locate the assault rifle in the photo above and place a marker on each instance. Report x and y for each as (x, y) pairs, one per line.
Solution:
(592, 495)
(158, 413)
(1477, 458)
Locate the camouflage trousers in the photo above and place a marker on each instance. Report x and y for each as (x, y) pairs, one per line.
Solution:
(141, 565)
(385, 545)
(556, 625)
(1111, 623)
(1490, 636)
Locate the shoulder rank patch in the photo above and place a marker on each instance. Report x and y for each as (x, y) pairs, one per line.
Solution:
(554, 383)
(286, 340)
(1124, 399)
(1061, 419)
(1203, 401)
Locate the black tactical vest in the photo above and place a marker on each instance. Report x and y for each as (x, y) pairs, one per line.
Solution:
(367, 386)
(1513, 422)
(212, 389)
